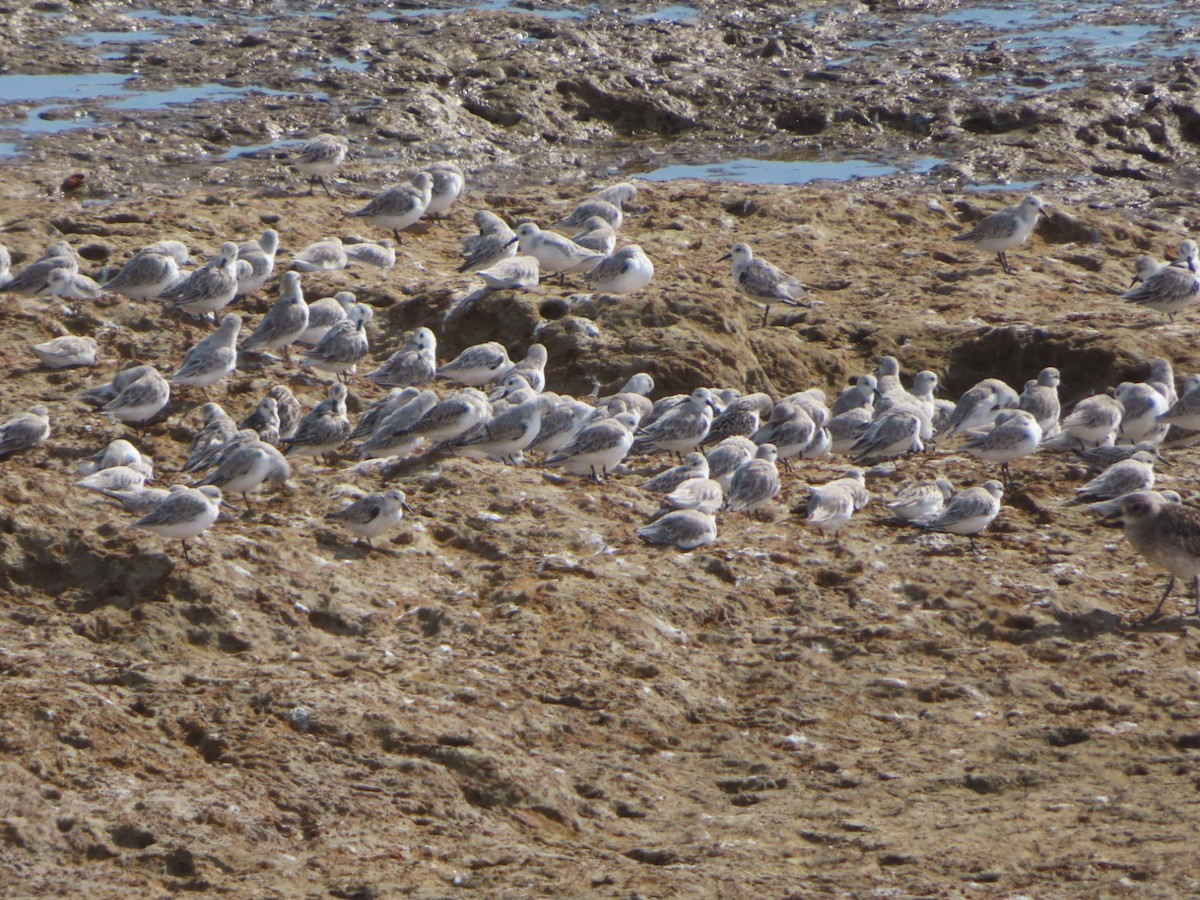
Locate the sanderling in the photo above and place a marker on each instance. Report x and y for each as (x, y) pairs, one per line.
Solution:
(979, 405)
(213, 357)
(478, 365)
(627, 271)
(321, 256)
(177, 250)
(1002, 231)
(1061, 441)
(118, 452)
(264, 421)
(1143, 267)
(1133, 474)
(1100, 458)
(66, 352)
(725, 459)
(942, 411)
(604, 209)
(256, 261)
(144, 277)
(504, 437)
(831, 505)
(790, 428)
(681, 430)
(513, 390)
(1162, 374)
(69, 285)
(210, 288)
(562, 424)
(617, 194)
(341, 348)
(33, 277)
(391, 436)
(597, 236)
(247, 468)
(214, 456)
(1185, 411)
(516, 273)
(598, 448)
(755, 482)
(414, 364)
(379, 255)
(1015, 436)
(446, 420)
(761, 281)
(743, 416)
(661, 407)
(694, 465)
(284, 323)
(633, 395)
(1040, 399)
(218, 428)
(846, 428)
(820, 445)
(922, 502)
(861, 393)
(685, 529)
(61, 250)
(446, 185)
(1172, 287)
(323, 314)
(24, 431)
(319, 158)
(1141, 405)
(492, 244)
(1167, 535)
(919, 401)
(399, 207)
(556, 255)
(183, 514)
(1111, 509)
(891, 435)
(971, 511)
(113, 478)
(289, 409)
(381, 409)
(813, 402)
(887, 376)
(701, 494)
(139, 501)
(141, 399)
(372, 515)
(103, 393)
(324, 429)
(1093, 420)
(532, 367)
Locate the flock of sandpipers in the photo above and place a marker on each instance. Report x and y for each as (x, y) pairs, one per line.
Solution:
(729, 447)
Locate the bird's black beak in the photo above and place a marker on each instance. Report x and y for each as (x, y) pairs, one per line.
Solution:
(408, 509)
(510, 243)
(725, 257)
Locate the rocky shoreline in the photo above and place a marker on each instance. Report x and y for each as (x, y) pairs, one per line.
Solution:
(517, 697)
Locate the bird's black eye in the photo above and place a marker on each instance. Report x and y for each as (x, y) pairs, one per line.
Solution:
(1137, 508)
